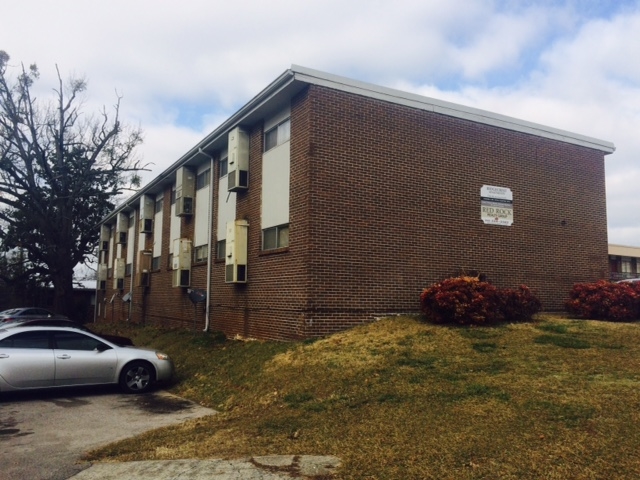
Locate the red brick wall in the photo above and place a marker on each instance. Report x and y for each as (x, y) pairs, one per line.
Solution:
(385, 200)
(395, 202)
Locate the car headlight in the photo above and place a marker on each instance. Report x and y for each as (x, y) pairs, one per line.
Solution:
(162, 356)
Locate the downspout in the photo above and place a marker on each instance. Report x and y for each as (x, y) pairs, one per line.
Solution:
(133, 262)
(209, 247)
(95, 306)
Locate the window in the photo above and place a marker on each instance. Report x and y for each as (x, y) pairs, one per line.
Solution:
(201, 253)
(155, 263)
(159, 203)
(221, 249)
(224, 167)
(35, 339)
(170, 262)
(127, 269)
(173, 196)
(275, 237)
(277, 135)
(202, 179)
(75, 341)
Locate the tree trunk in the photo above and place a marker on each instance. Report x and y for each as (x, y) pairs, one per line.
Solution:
(63, 299)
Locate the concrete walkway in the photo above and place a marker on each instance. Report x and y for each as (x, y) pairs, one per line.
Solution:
(273, 467)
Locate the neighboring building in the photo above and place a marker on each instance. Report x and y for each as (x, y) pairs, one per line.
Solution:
(325, 202)
(624, 262)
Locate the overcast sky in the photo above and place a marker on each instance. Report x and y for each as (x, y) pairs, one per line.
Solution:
(184, 67)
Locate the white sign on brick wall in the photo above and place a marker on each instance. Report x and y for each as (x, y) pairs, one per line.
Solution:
(496, 205)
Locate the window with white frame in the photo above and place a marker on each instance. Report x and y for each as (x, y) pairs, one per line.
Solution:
(203, 179)
(201, 253)
(275, 237)
(226, 205)
(276, 166)
(221, 249)
(277, 135)
(223, 167)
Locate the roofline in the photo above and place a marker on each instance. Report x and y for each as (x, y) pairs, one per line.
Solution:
(303, 75)
(447, 108)
(223, 129)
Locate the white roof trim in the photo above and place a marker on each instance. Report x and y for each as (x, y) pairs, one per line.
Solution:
(399, 97)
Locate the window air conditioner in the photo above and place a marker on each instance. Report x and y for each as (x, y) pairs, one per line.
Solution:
(184, 206)
(182, 278)
(102, 272)
(238, 160)
(235, 270)
(235, 273)
(144, 278)
(146, 225)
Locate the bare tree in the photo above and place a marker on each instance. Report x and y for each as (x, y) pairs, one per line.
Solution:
(60, 173)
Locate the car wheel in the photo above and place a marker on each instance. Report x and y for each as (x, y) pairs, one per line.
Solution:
(137, 377)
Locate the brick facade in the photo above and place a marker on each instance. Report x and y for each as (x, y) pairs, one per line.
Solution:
(384, 200)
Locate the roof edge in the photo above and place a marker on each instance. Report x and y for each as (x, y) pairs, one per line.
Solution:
(400, 97)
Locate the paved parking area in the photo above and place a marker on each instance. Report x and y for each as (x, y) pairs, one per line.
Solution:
(44, 434)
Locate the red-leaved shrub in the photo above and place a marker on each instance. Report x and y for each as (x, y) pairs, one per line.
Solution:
(519, 304)
(468, 300)
(604, 300)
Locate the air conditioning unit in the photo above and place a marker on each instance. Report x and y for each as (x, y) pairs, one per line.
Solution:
(122, 222)
(238, 158)
(236, 252)
(144, 279)
(181, 262)
(102, 271)
(182, 278)
(105, 234)
(119, 268)
(146, 225)
(184, 206)
(121, 238)
(147, 211)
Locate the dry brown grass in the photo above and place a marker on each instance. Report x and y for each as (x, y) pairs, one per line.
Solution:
(400, 399)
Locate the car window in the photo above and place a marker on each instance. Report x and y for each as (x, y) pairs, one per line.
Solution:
(40, 311)
(75, 341)
(35, 339)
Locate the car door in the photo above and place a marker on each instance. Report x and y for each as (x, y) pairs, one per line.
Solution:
(82, 360)
(26, 360)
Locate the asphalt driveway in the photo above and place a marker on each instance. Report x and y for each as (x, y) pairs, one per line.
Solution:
(44, 434)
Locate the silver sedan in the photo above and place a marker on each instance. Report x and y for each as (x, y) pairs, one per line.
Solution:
(50, 357)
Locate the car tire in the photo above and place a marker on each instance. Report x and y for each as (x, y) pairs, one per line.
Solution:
(137, 377)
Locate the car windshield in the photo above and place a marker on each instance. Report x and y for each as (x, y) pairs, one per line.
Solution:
(11, 311)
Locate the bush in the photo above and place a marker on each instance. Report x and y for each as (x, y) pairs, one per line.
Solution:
(468, 300)
(604, 300)
(519, 304)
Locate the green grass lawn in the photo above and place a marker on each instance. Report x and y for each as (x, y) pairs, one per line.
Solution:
(401, 399)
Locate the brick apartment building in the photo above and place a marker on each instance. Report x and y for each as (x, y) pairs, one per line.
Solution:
(325, 202)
